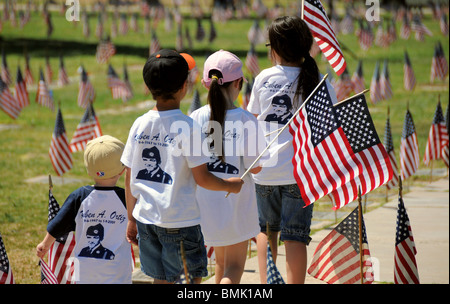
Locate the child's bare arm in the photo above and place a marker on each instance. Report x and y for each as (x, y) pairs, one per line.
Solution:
(207, 180)
(43, 247)
(131, 202)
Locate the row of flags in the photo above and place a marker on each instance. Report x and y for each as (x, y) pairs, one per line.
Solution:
(343, 256)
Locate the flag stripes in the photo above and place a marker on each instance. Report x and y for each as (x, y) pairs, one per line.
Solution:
(47, 276)
(59, 152)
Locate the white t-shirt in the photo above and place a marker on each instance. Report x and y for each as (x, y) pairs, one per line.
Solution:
(272, 100)
(227, 221)
(161, 149)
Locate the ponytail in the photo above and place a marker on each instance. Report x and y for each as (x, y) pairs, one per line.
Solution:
(218, 105)
(308, 78)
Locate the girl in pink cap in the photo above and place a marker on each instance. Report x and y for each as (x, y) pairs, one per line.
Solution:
(228, 222)
(277, 93)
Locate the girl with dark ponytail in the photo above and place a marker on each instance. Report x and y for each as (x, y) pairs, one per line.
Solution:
(228, 222)
(276, 95)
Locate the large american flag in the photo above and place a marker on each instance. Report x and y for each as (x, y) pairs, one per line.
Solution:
(6, 275)
(320, 26)
(337, 257)
(437, 137)
(59, 152)
(86, 92)
(7, 101)
(44, 95)
(389, 146)
(21, 92)
(375, 87)
(360, 131)
(60, 252)
(87, 129)
(323, 158)
(409, 78)
(405, 266)
(273, 274)
(409, 148)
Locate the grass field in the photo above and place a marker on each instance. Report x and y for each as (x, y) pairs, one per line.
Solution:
(25, 142)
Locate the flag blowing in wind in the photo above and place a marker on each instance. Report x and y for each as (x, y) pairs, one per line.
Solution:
(7, 101)
(323, 158)
(389, 146)
(87, 129)
(44, 95)
(337, 257)
(405, 267)
(21, 92)
(319, 24)
(360, 131)
(60, 154)
(86, 93)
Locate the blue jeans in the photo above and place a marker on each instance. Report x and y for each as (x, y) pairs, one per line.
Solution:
(284, 209)
(160, 251)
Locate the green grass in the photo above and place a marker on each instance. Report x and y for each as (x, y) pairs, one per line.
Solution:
(24, 149)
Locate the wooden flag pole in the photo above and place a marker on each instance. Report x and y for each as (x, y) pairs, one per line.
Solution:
(360, 235)
(303, 10)
(183, 257)
(283, 128)
(50, 182)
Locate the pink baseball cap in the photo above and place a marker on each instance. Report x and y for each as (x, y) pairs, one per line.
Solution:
(226, 63)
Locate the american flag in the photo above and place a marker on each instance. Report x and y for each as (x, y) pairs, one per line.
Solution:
(317, 20)
(385, 82)
(409, 78)
(99, 28)
(123, 28)
(86, 92)
(44, 95)
(128, 94)
(273, 274)
(62, 249)
(365, 36)
(323, 158)
(381, 36)
(6, 275)
(7, 101)
(118, 87)
(28, 75)
(59, 151)
(251, 61)
(48, 70)
(254, 34)
(63, 79)
(375, 87)
(439, 64)
(392, 31)
(337, 257)
(179, 44)
(87, 129)
(47, 276)
(405, 29)
(155, 46)
(212, 31)
(389, 146)
(443, 24)
(437, 137)
(5, 75)
(445, 149)
(409, 148)
(105, 50)
(420, 29)
(200, 32)
(354, 116)
(358, 78)
(21, 92)
(49, 23)
(343, 86)
(405, 268)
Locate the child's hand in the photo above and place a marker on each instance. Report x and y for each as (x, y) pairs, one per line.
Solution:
(41, 250)
(234, 184)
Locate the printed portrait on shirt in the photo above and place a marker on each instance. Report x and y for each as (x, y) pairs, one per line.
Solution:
(95, 249)
(152, 171)
(216, 165)
(281, 110)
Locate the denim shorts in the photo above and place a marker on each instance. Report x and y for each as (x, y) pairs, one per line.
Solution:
(284, 209)
(160, 251)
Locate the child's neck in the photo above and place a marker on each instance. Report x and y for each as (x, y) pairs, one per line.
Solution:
(166, 105)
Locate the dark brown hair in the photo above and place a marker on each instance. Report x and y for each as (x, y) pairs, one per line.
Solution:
(291, 39)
